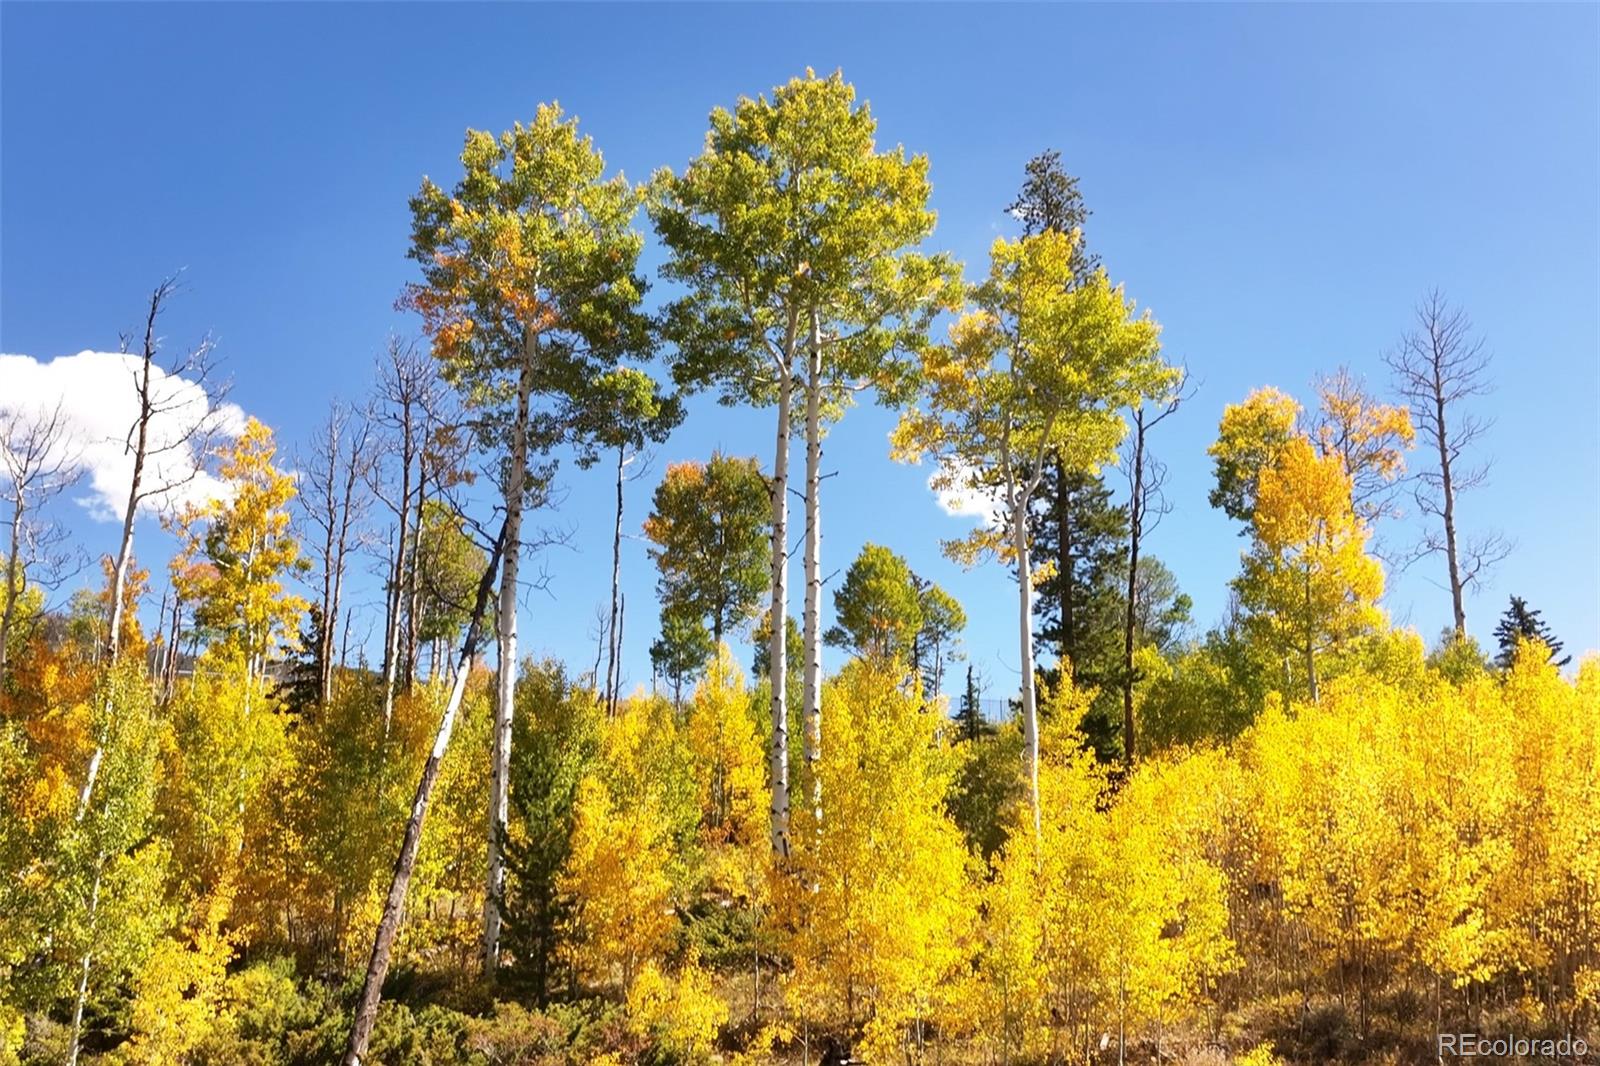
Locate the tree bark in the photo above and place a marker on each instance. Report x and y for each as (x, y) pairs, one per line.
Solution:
(777, 649)
(13, 582)
(397, 571)
(506, 666)
(1311, 656)
(811, 684)
(1069, 635)
(84, 967)
(1030, 712)
(394, 904)
(1448, 498)
(1135, 530)
(613, 651)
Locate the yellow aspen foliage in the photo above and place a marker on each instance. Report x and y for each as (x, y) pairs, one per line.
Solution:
(1115, 918)
(1550, 893)
(1369, 438)
(241, 599)
(223, 753)
(876, 910)
(729, 766)
(678, 1013)
(634, 824)
(1250, 438)
(1433, 830)
(1308, 583)
(617, 875)
(179, 992)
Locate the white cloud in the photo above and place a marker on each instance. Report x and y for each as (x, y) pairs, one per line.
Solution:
(960, 495)
(96, 393)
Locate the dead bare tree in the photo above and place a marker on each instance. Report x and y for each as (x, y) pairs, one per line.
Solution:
(36, 465)
(334, 497)
(1147, 504)
(1437, 366)
(408, 388)
(177, 415)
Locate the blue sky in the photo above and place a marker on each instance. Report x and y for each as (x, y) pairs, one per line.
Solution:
(1280, 184)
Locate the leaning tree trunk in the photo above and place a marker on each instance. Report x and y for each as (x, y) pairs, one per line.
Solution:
(394, 904)
(506, 669)
(811, 685)
(777, 654)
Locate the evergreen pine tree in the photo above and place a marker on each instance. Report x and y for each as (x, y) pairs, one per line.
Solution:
(1521, 622)
(1072, 521)
(969, 713)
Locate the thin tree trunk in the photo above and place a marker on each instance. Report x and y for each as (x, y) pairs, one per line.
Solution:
(506, 668)
(616, 593)
(811, 684)
(341, 551)
(413, 582)
(397, 577)
(622, 618)
(1030, 714)
(1447, 491)
(394, 904)
(13, 582)
(777, 653)
(1310, 649)
(83, 971)
(119, 570)
(325, 636)
(169, 672)
(1069, 632)
(1135, 530)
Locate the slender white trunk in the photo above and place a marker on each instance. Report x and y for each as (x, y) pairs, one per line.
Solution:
(506, 668)
(394, 903)
(777, 656)
(811, 695)
(119, 570)
(1030, 713)
(84, 968)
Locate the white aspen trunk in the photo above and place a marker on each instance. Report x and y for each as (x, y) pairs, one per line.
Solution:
(811, 692)
(506, 668)
(1030, 712)
(83, 971)
(394, 904)
(777, 655)
(119, 570)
